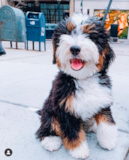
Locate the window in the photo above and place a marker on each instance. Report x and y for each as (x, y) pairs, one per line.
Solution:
(51, 11)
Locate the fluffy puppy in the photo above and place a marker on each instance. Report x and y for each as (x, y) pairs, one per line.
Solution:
(81, 91)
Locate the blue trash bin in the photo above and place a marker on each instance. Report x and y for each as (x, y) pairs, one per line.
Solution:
(35, 27)
(50, 30)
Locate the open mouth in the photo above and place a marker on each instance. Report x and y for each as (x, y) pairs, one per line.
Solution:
(76, 64)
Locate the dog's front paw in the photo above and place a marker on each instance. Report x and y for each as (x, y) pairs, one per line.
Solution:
(51, 143)
(81, 152)
(107, 135)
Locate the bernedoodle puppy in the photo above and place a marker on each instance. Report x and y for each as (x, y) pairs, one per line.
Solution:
(81, 91)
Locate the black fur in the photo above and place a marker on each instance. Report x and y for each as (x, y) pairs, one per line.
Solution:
(102, 38)
(105, 80)
(63, 86)
(59, 30)
(69, 124)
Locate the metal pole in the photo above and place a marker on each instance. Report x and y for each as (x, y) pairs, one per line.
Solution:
(11, 44)
(110, 2)
(33, 45)
(59, 11)
(128, 33)
(27, 44)
(81, 6)
(45, 46)
(16, 45)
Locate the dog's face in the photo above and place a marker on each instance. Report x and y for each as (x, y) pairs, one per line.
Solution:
(81, 47)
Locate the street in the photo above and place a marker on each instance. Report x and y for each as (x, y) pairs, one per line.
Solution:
(25, 82)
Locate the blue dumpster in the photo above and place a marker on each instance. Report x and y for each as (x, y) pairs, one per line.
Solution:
(12, 24)
(2, 51)
(36, 31)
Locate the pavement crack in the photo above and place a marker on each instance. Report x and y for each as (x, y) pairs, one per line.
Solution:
(127, 154)
(16, 104)
(121, 130)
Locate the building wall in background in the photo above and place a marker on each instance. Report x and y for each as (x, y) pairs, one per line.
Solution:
(101, 4)
(72, 7)
(4, 2)
(118, 14)
(50, 8)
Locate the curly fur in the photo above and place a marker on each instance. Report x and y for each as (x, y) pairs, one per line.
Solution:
(80, 96)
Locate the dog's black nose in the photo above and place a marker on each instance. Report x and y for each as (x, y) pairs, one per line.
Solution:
(75, 50)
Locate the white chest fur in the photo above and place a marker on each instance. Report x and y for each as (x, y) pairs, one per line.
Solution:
(90, 97)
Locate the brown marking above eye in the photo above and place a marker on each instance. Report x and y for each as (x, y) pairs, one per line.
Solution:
(70, 26)
(57, 61)
(89, 28)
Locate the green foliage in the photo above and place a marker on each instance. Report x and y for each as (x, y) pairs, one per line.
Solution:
(124, 34)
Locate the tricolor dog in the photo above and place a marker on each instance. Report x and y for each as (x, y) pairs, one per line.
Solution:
(81, 94)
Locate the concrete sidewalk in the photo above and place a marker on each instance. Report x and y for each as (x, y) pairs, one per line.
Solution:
(18, 129)
(25, 81)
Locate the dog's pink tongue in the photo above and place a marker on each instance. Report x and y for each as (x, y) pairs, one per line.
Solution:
(76, 64)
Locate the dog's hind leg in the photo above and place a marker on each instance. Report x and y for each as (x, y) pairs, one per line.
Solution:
(90, 125)
(106, 130)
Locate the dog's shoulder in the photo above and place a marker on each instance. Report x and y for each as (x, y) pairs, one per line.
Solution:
(63, 81)
(63, 87)
(105, 80)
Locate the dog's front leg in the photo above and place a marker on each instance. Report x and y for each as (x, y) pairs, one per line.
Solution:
(106, 130)
(77, 147)
(74, 137)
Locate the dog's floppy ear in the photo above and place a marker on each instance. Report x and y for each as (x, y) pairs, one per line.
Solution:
(101, 37)
(58, 31)
(108, 58)
(105, 59)
(64, 27)
(54, 57)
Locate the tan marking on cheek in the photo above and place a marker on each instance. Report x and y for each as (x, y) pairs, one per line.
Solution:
(70, 26)
(56, 127)
(71, 145)
(58, 62)
(89, 28)
(68, 52)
